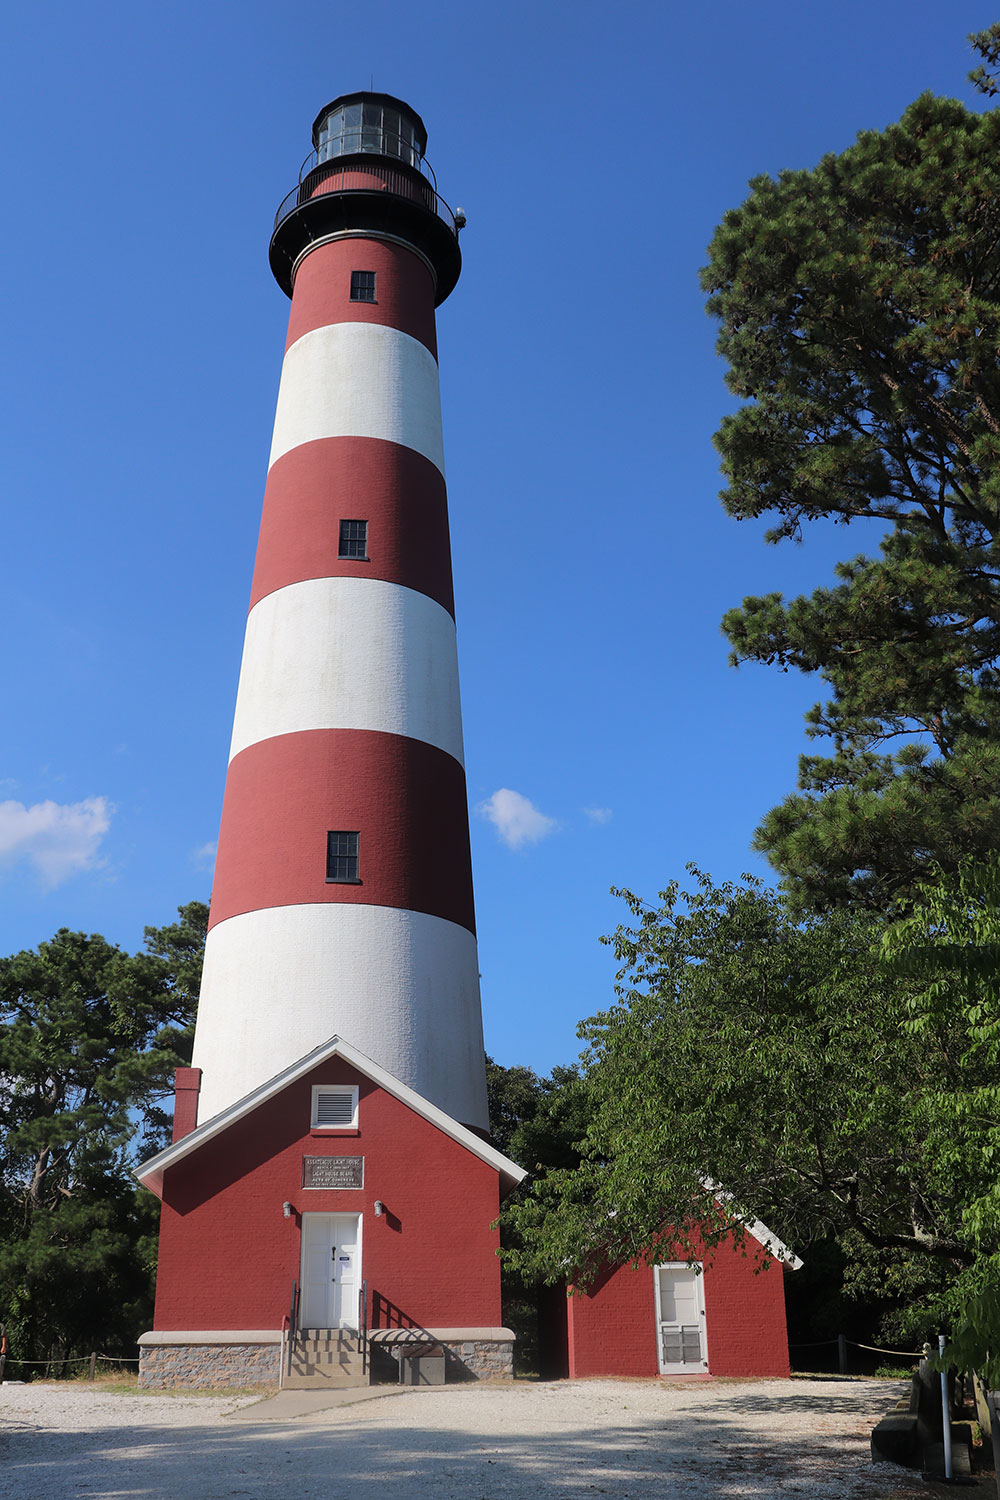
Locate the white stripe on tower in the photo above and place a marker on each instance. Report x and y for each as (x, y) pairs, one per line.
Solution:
(348, 718)
(349, 653)
(359, 380)
(333, 959)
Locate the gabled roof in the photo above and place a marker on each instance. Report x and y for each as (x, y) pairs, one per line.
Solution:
(150, 1173)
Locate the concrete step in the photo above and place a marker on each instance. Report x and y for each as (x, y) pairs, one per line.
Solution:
(324, 1359)
(344, 1338)
(896, 1440)
(321, 1380)
(327, 1354)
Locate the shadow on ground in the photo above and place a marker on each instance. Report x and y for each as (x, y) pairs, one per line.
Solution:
(446, 1451)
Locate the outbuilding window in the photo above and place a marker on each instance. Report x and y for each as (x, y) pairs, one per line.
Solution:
(334, 1106)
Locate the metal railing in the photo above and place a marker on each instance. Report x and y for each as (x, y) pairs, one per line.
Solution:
(367, 175)
(405, 151)
(292, 1319)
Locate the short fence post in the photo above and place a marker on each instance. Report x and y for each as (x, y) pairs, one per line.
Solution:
(945, 1410)
(93, 1366)
(993, 1402)
(842, 1353)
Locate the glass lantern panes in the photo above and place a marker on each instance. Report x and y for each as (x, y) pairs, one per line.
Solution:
(367, 127)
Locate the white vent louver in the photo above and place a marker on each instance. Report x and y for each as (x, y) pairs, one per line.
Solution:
(334, 1106)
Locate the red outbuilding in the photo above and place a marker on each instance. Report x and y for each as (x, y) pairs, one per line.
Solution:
(721, 1315)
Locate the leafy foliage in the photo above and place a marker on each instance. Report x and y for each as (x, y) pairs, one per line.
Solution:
(859, 311)
(949, 945)
(772, 1056)
(89, 1038)
(537, 1122)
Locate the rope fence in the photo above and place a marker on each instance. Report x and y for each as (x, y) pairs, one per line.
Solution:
(842, 1343)
(904, 1353)
(77, 1359)
(875, 1348)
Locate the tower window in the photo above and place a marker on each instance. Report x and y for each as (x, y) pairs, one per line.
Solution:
(362, 286)
(353, 539)
(342, 857)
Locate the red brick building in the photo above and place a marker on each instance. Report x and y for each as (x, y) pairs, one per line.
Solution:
(338, 1186)
(724, 1315)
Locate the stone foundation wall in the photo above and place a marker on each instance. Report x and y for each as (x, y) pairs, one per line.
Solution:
(465, 1359)
(213, 1365)
(480, 1359)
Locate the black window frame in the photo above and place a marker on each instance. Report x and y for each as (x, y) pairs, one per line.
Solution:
(348, 540)
(343, 857)
(363, 286)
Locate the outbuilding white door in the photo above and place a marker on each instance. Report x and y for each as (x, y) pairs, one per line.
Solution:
(680, 1320)
(331, 1270)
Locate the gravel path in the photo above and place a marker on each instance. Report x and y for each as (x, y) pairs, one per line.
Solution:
(630, 1440)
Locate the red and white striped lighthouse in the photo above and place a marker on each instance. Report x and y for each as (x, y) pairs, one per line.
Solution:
(328, 1196)
(343, 889)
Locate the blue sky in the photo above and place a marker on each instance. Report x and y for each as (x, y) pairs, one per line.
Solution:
(594, 150)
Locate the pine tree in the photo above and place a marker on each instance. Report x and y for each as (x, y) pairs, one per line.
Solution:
(859, 306)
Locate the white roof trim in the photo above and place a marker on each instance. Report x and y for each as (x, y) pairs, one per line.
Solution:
(760, 1232)
(150, 1173)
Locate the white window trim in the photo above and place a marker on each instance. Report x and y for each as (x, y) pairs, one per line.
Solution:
(329, 1088)
(681, 1369)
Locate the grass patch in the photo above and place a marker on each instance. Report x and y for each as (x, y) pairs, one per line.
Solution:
(128, 1385)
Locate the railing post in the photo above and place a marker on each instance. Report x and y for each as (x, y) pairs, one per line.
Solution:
(293, 1323)
(842, 1354)
(93, 1367)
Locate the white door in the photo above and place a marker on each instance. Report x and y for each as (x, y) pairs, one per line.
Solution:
(680, 1320)
(331, 1270)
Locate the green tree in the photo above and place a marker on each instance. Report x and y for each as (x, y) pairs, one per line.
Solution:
(89, 1038)
(948, 949)
(859, 312)
(538, 1123)
(773, 1056)
(987, 44)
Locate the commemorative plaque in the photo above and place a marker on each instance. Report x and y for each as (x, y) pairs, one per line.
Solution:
(333, 1171)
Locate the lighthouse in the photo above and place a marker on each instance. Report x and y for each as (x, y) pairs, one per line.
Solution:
(343, 885)
(330, 1191)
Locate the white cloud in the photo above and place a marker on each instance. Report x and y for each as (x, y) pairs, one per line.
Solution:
(59, 839)
(516, 820)
(598, 814)
(205, 854)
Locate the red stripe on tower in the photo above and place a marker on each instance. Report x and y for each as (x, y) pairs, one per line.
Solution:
(316, 487)
(406, 799)
(404, 290)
